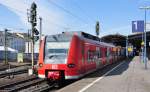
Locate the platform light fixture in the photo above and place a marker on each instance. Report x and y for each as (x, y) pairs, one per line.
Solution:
(145, 8)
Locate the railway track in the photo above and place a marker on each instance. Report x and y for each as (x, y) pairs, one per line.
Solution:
(21, 84)
(6, 66)
(38, 88)
(14, 71)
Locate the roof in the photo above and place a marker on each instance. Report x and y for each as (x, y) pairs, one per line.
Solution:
(9, 49)
(115, 39)
(66, 36)
(134, 39)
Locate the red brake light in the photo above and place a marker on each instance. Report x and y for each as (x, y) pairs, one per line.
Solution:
(54, 75)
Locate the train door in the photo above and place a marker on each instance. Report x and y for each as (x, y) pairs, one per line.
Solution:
(90, 57)
(103, 55)
(114, 54)
(86, 49)
(97, 57)
(82, 60)
(100, 57)
(111, 58)
(107, 55)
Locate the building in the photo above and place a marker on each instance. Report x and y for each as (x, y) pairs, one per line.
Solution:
(13, 40)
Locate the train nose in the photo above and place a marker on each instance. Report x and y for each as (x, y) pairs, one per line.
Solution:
(54, 75)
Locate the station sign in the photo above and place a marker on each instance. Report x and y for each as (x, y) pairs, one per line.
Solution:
(138, 26)
(97, 28)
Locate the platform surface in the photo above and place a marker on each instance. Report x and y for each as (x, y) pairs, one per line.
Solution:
(128, 76)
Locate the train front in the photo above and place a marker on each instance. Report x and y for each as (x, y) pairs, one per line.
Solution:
(53, 57)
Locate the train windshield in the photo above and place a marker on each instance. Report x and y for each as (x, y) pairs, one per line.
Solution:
(56, 52)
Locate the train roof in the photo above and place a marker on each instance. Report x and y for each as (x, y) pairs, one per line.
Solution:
(67, 36)
(59, 37)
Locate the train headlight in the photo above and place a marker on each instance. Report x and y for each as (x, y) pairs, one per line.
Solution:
(71, 65)
(40, 64)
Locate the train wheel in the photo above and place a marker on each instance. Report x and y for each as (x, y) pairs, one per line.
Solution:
(61, 82)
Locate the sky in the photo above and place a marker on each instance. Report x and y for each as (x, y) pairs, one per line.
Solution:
(115, 16)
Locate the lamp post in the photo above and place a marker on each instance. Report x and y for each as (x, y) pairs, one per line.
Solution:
(127, 47)
(145, 59)
(40, 31)
(5, 46)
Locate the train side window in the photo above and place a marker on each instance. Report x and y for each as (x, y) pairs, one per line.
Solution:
(107, 52)
(98, 53)
(91, 55)
(82, 52)
(88, 56)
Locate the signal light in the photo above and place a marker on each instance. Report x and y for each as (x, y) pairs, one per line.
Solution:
(36, 38)
(97, 28)
(36, 32)
(33, 14)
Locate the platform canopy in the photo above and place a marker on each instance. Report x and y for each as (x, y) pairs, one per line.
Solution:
(120, 40)
(136, 39)
(116, 39)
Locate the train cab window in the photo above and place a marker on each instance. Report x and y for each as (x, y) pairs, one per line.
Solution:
(56, 53)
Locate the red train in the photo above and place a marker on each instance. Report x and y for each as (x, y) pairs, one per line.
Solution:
(71, 55)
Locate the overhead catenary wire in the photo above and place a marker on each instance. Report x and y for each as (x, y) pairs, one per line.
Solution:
(88, 16)
(83, 11)
(52, 22)
(67, 11)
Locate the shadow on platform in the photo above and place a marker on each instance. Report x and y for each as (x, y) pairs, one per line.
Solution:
(117, 71)
(120, 69)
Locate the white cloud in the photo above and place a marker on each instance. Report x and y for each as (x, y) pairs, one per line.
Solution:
(51, 18)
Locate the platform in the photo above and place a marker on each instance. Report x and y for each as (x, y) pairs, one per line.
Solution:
(128, 76)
